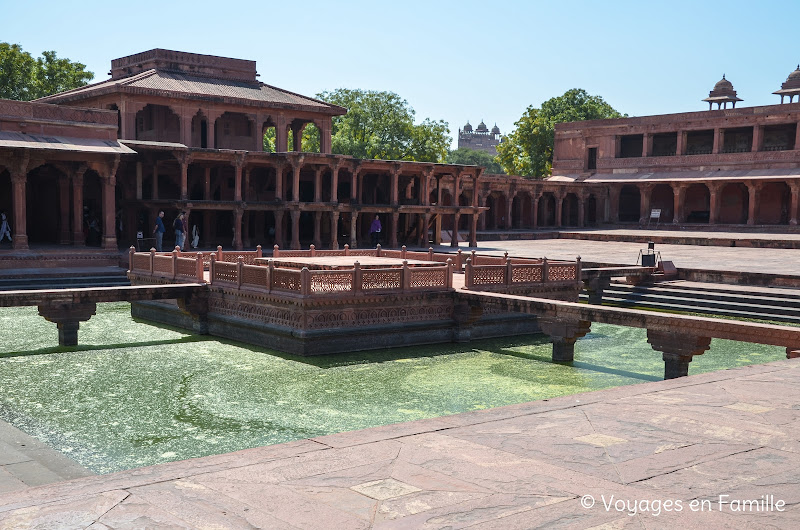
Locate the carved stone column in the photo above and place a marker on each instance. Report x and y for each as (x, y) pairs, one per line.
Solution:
(559, 208)
(317, 226)
(279, 231)
(68, 317)
(794, 209)
(109, 183)
(154, 182)
(295, 229)
(238, 162)
(393, 229)
(395, 174)
(279, 180)
(753, 189)
(678, 196)
(19, 199)
(581, 210)
(353, 227)
(335, 183)
(318, 184)
(644, 202)
(78, 239)
(238, 214)
(714, 190)
(334, 230)
(139, 180)
(595, 287)
(614, 193)
(563, 333)
(535, 208)
(509, 212)
(473, 231)
(454, 239)
(677, 349)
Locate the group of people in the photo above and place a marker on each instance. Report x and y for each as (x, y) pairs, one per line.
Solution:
(181, 229)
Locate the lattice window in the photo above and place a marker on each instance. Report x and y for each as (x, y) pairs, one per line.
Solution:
(427, 277)
(331, 282)
(559, 273)
(187, 267)
(286, 280)
(526, 274)
(381, 279)
(225, 272)
(252, 275)
(141, 262)
(248, 257)
(162, 264)
(488, 275)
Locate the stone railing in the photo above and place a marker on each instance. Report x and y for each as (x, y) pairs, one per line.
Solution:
(520, 273)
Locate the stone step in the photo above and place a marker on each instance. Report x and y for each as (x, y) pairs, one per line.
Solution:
(698, 289)
(703, 299)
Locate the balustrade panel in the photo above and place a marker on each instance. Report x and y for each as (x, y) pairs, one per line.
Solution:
(426, 277)
(141, 261)
(331, 281)
(381, 279)
(254, 276)
(225, 272)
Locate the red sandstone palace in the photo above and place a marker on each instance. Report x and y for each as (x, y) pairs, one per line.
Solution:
(178, 131)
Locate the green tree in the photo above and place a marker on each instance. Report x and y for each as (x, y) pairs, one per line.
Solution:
(310, 139)
(473, 157)
(381, 125)
(24, 78)
(528, 150)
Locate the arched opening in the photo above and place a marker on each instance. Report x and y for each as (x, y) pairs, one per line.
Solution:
(662, 198)
(772, 208)
(516, 211)
(547, 210)
(200, 131)
(697, 204)
(42, 205)
(569, 210)
(157, 123)
(234, 130)
(268, 129)
(629, 204)
(527, 211)
(734, 201)
(310, 138)
(591, 211)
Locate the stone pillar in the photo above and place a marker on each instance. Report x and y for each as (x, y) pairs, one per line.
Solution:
(758, 133)
(63, 198)
(797, 138)
(794, 209)
(139, 180)
(647, 145)
(473, 230)
(535, 212)
(595, 287)
(753, 189)
(680, 146)
(354, 187)
(318, 184)
(559, 209)
(353, 226)
(186, 130)
(335, 183)
(581, 211)
(281, 139)
(154, 183)
(644, 202)
(295, 229)
(714, 190)
(238, 214)
(68, 317)
(325, 137)
(296, 180)
(395, 174)
(297, 138)
(614, 192)
(718, 141)
(279, 181)
(334, 230)
(245, 228)
(317, 222)
(109, 183)
(563, 333)
(678, 194)
(475, 191)
(78, 239)
(394, 229)
(205, 235)
(454, 239)
(279, 231)
(677, 349)
(19, 180)
(246, 184)
(509, 212)
(237, 179)
(184, 179)
(437, 229)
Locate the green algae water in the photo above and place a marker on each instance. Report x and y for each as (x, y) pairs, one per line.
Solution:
(134, 394)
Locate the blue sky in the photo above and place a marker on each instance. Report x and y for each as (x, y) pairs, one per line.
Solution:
(454, 61)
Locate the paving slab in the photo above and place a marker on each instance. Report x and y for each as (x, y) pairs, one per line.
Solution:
(618, 458)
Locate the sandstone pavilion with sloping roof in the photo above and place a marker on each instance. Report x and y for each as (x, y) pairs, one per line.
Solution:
(178, 131)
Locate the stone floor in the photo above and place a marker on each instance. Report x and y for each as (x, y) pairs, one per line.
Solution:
(655, 455)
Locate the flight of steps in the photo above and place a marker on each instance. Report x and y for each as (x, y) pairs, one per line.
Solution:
(776, 304)
(65, 280)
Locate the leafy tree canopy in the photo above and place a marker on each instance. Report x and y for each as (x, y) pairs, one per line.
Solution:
(467, 156)
(310, 139)
(528, 150)
(381, 125)
(24, 78)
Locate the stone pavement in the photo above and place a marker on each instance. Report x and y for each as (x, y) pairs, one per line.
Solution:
(729, 441)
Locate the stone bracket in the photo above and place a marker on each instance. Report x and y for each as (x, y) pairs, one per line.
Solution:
(564, 333)
(464, 316)
(677, 349)
(67, 315)
(595, 287)
(196, 305)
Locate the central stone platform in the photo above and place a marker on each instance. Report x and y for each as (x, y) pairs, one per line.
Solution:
(325, 263)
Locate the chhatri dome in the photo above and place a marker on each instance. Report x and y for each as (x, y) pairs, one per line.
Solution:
(467, 127)
(482, 127)
(495, 129)
(722, 94)
(791, 87)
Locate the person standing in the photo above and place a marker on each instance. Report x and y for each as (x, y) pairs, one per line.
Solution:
(180, 230)
(159, 230)
(5, 230)
(375, 230)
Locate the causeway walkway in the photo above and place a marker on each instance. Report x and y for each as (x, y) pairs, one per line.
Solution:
(716, 450)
